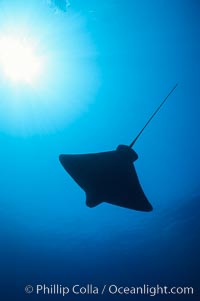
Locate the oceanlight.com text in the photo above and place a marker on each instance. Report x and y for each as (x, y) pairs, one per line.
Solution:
(109, 289)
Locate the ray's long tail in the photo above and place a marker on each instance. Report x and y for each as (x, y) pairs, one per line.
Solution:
(152, 116)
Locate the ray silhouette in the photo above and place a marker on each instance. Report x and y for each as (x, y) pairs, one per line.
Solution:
(110, 176)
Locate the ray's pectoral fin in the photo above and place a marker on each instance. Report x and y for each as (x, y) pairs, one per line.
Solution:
(108, 177)
(92, 201)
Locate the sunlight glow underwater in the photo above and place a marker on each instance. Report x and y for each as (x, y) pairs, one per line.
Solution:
(48, 70)
(18, 60)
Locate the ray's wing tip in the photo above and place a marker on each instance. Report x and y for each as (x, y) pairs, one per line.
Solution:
(149, 208)
(61, 157)
(145, 207)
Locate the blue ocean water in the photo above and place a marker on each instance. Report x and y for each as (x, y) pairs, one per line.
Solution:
(109, 65)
